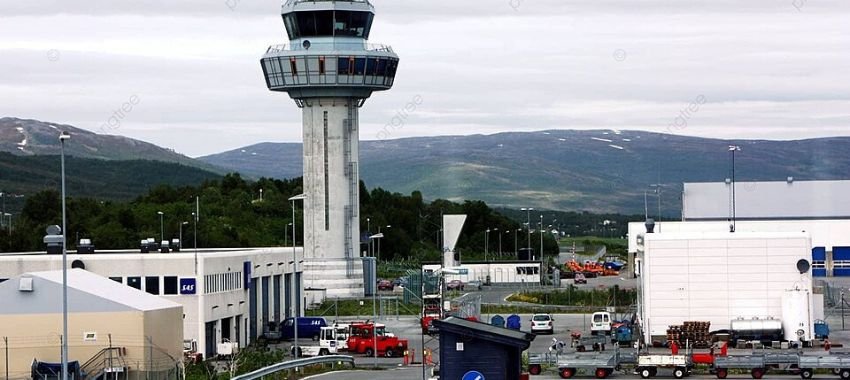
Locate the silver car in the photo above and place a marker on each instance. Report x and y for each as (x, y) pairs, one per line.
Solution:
(542, 323)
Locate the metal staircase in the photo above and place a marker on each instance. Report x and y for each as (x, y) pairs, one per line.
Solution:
(107, 364)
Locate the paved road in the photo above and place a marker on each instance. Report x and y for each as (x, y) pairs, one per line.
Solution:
(416, 373)
(408, 328)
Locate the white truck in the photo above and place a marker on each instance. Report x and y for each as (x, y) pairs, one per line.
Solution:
(332, 339)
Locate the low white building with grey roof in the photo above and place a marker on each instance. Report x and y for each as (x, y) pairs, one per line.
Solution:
(227, 294)
(111, 327)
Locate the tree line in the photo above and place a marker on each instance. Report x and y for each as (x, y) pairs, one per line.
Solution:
(232, 213)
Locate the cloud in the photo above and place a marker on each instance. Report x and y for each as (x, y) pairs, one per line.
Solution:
(766, 68)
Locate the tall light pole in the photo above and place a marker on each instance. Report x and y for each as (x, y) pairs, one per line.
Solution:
(3, 210)
(181, 234)
(500, 240)
(516, 241)
(62, 137)
(528, 223)
(374, 309)
(286, 235)
(369, 232)
(486, 242)
(161, 228)
(541, 238)
(379, 242)
(733, 149)
(657, 187)
(296, 299)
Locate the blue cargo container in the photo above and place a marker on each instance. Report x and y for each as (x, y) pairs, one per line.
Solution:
(819, 262)
(841, 261)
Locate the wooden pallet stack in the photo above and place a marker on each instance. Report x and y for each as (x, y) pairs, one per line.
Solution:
(693, 333)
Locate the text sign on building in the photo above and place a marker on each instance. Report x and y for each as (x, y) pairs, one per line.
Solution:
(187, 286)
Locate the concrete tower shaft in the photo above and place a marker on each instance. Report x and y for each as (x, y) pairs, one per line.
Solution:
(330, 70)
(332, 207)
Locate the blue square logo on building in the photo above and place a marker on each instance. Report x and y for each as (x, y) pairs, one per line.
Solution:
(187, 286)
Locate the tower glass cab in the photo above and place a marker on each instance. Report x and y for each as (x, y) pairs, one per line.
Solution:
(329, 69)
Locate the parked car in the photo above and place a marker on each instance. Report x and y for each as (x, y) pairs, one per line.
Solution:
(455, 285)
(475, 284)
(580, 279)
(385, 285)
(542, 323)
(401, 281)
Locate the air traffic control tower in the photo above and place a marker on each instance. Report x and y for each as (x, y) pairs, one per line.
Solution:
(330, 70)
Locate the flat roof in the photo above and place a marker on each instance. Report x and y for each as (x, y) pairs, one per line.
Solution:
(486, 331)
(184, 253)
(789, 199)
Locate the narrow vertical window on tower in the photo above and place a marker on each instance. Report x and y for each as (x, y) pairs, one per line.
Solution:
(321, 65)
(293, 66)
(327, 185)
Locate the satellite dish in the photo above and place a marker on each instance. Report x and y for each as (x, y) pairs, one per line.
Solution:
(54, 230)
(306, 44)
(803, 266)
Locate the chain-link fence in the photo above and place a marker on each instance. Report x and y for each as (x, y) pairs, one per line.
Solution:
(118, 357)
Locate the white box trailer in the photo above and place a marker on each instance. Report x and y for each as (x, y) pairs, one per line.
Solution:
(720, 277)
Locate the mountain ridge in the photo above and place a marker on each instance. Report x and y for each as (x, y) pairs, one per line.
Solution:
(29, 137)
(590, 170)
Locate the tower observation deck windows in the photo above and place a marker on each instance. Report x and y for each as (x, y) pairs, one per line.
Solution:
(328, 24)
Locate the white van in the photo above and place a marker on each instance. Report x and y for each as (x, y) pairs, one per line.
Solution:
(600, 322)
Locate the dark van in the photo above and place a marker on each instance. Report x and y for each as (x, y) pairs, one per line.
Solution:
(308, 327)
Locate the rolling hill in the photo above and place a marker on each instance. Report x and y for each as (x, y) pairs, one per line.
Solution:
(599, 171)
(24, 137)
(88, 177)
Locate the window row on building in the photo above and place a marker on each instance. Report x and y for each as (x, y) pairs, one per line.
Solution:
(281, 71)
(222, 282)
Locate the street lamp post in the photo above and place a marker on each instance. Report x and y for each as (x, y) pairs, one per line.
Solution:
(62, 137)
(486, 242)
(286, 235)
(181, 234)
(369, 232)
(733, 149)
(516, 241)
(161, 228)
(295, 280)
(380, 235)
(500, 240)
(541, 237)
(528, 223)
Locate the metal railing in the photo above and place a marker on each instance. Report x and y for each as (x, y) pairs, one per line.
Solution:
(329, 359)
(330, 46)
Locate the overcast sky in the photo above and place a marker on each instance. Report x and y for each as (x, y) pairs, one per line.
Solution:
(775, 69)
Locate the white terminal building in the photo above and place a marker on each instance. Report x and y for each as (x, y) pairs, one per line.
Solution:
(698, 270)
(330, 70)
(225, 293)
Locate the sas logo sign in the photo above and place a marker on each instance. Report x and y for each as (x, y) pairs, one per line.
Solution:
(187, 286)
